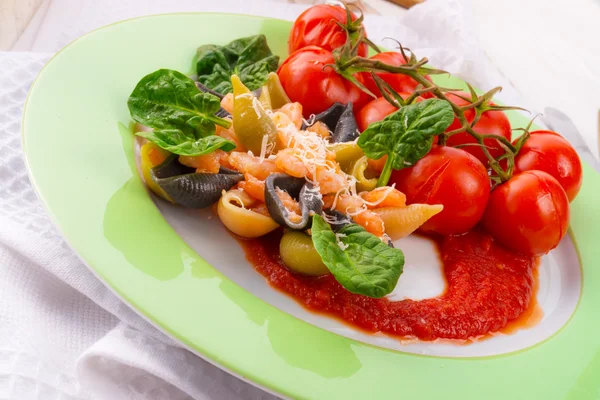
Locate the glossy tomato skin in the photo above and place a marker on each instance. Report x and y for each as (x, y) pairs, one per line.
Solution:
(451, 177)
(549, 152)
(398, 82)
(317, 27)
(306, 81)
(377, 109)
(490, 123)
(529, 213)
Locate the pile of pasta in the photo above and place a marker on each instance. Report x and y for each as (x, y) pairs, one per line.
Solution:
(279, 142)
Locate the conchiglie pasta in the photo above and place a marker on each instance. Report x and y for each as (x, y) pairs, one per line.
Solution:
(358, 170)
(346, 154)
(151, 155)
(402, 221)
(299, 254)
(237, 218)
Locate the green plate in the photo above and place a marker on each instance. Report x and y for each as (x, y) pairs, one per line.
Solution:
(84, 171)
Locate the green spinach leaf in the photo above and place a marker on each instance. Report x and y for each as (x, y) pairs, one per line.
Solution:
(182, 116)
(358, 260)
(406, 135)
(249, 58)
(167, 99)
(177, 142)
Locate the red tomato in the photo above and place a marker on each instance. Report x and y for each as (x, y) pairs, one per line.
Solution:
(549, 152)
(398, 82)
(317, 27)
(451, 177)
(378, 109)
(529, 213)
(490, 123)
(306, 81)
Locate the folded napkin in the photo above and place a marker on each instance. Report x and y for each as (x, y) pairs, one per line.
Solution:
(63, 334)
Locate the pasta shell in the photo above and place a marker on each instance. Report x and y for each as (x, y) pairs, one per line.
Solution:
(400, 222)
(309, 200)
(241, 221)
(299, 254)
(339, 118)
(190, 189)
(358, 171)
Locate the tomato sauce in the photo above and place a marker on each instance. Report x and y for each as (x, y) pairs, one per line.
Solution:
(488, 287)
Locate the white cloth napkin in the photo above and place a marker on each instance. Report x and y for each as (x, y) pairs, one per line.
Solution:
(63, 335)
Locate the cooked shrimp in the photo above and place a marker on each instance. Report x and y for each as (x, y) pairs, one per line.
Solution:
(378, 164)
(254, 187)
(225, 161)
(227, 103)
(354, 206)
(207, 163)
(229, 134)
(384, 197)
(329, 180)
(320, 129)
(294, 112)
(371, 222)
(249, 164)
(291, 205)
(289, 162)
(261, 209)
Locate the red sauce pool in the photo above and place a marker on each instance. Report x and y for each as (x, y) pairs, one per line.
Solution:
(489, 289)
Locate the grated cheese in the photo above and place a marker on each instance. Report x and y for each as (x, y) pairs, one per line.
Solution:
(338, 239)
(257, 107)
(263, 147)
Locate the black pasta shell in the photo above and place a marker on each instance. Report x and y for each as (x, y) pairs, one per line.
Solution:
(340, 120)
(190, 189)
(300, 190)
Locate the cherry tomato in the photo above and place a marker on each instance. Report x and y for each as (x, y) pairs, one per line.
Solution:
(317, 27)
(377, 109)
(549, 152)
(398, 82)
(490, 123)
(529, 213)
(451, 177)
(306, 81)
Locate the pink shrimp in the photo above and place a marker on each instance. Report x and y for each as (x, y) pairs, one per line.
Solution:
(320, 129)
(329, 180)
(383, 197)
(248, 164)
(378, 164)
(209, 163)
(289, 162)
(261, 209)
(371, 222)
(254, 187)
(227, 103)
(229, 134)
(355, 207)
(294, 111)
(291, 205)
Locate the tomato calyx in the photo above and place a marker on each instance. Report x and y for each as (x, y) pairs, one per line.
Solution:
(416, 69)
(354, 28)
(348, 63)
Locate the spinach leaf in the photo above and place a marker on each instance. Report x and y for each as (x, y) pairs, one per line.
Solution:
(358, 260)
(406, 135)
(249, 58)
(177, 142)
(167, 99)
(182, 116)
